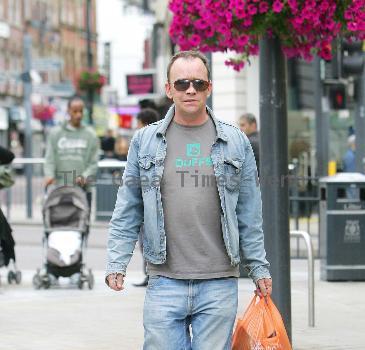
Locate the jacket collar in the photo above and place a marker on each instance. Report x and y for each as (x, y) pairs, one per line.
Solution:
(161, 131)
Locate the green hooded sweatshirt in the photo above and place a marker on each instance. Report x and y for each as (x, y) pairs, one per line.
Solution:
(71, 152)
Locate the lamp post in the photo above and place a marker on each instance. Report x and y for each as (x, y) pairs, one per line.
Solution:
(273, 171)
(27, 83)
(90, 91)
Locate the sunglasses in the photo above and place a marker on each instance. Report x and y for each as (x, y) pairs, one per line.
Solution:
(184, 84)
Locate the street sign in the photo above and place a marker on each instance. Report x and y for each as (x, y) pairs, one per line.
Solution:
(140, 83)
(47, 64)
(65, 89)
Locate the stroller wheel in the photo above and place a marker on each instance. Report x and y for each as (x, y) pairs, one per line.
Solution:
(90, 280)
(46, 283)
(11, 277)
(80, 283)
(37, 281)
(18, 277)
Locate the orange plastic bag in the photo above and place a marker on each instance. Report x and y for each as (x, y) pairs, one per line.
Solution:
(261, 328)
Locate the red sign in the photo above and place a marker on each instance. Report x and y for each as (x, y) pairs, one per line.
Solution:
(140, 84)
(125, 121)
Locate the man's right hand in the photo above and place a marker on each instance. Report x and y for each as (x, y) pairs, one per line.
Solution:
(116, 281)
(49, 181)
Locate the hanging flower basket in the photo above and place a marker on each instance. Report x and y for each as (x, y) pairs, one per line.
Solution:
(91, 80)
(305, 27)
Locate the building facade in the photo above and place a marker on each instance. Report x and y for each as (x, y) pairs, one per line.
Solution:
(57, 29)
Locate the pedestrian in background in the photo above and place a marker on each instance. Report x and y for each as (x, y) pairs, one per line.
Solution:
(121, 148)
(107, 144)
(248, 124)
(72, 151)
(349, 159)
(7, 242)
(193, 232)
(145, 117)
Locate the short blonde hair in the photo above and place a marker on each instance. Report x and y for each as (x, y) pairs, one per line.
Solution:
(188, 54)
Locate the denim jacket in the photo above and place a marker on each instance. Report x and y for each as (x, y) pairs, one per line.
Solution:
(139, 199)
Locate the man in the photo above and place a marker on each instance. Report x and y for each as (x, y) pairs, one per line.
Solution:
(72, 151)
(107, 144)
(201, 205)
(145, 117)
(248, 125)
(349, 159)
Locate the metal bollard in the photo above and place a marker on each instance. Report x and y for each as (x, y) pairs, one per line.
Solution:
(308, 242)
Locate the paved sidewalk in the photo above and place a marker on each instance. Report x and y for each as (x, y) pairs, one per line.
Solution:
(67, 318)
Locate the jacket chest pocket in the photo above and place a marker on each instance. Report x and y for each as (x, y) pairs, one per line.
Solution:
(232, 173)
(148, 176)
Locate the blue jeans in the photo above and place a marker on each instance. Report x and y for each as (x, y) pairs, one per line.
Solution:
(172, 306)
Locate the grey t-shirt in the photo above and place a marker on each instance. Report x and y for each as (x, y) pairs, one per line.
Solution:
(190, 200)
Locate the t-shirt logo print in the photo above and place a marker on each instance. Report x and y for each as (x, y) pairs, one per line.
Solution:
(193, 149)
(193, 158)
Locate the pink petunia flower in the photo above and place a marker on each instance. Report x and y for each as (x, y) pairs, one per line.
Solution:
(240, 13)
(247, 22)
(200, 24)
(325, 52)
(293, 4)
(263, 7)
(277, 6)
(195, 40)
(352, 26)
(228, 16)
(243, 40)
(252, 9)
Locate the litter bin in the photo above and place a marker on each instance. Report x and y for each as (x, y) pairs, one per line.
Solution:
(342, 227)
(109, 177)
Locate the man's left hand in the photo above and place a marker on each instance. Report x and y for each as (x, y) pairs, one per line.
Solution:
(264, 287)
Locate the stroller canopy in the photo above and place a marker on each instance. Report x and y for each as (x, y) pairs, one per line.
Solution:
(66, 207)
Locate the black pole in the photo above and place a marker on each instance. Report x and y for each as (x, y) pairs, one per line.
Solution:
(27, 54)
(360, 123)
(90, 92)
(322, 126)
(273, 171)
(107, 62)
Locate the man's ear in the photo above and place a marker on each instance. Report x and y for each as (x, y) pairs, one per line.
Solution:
(210, 88)
(168, 90)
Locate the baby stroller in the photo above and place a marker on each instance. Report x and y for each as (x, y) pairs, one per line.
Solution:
(7, 253)
(66, 227)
